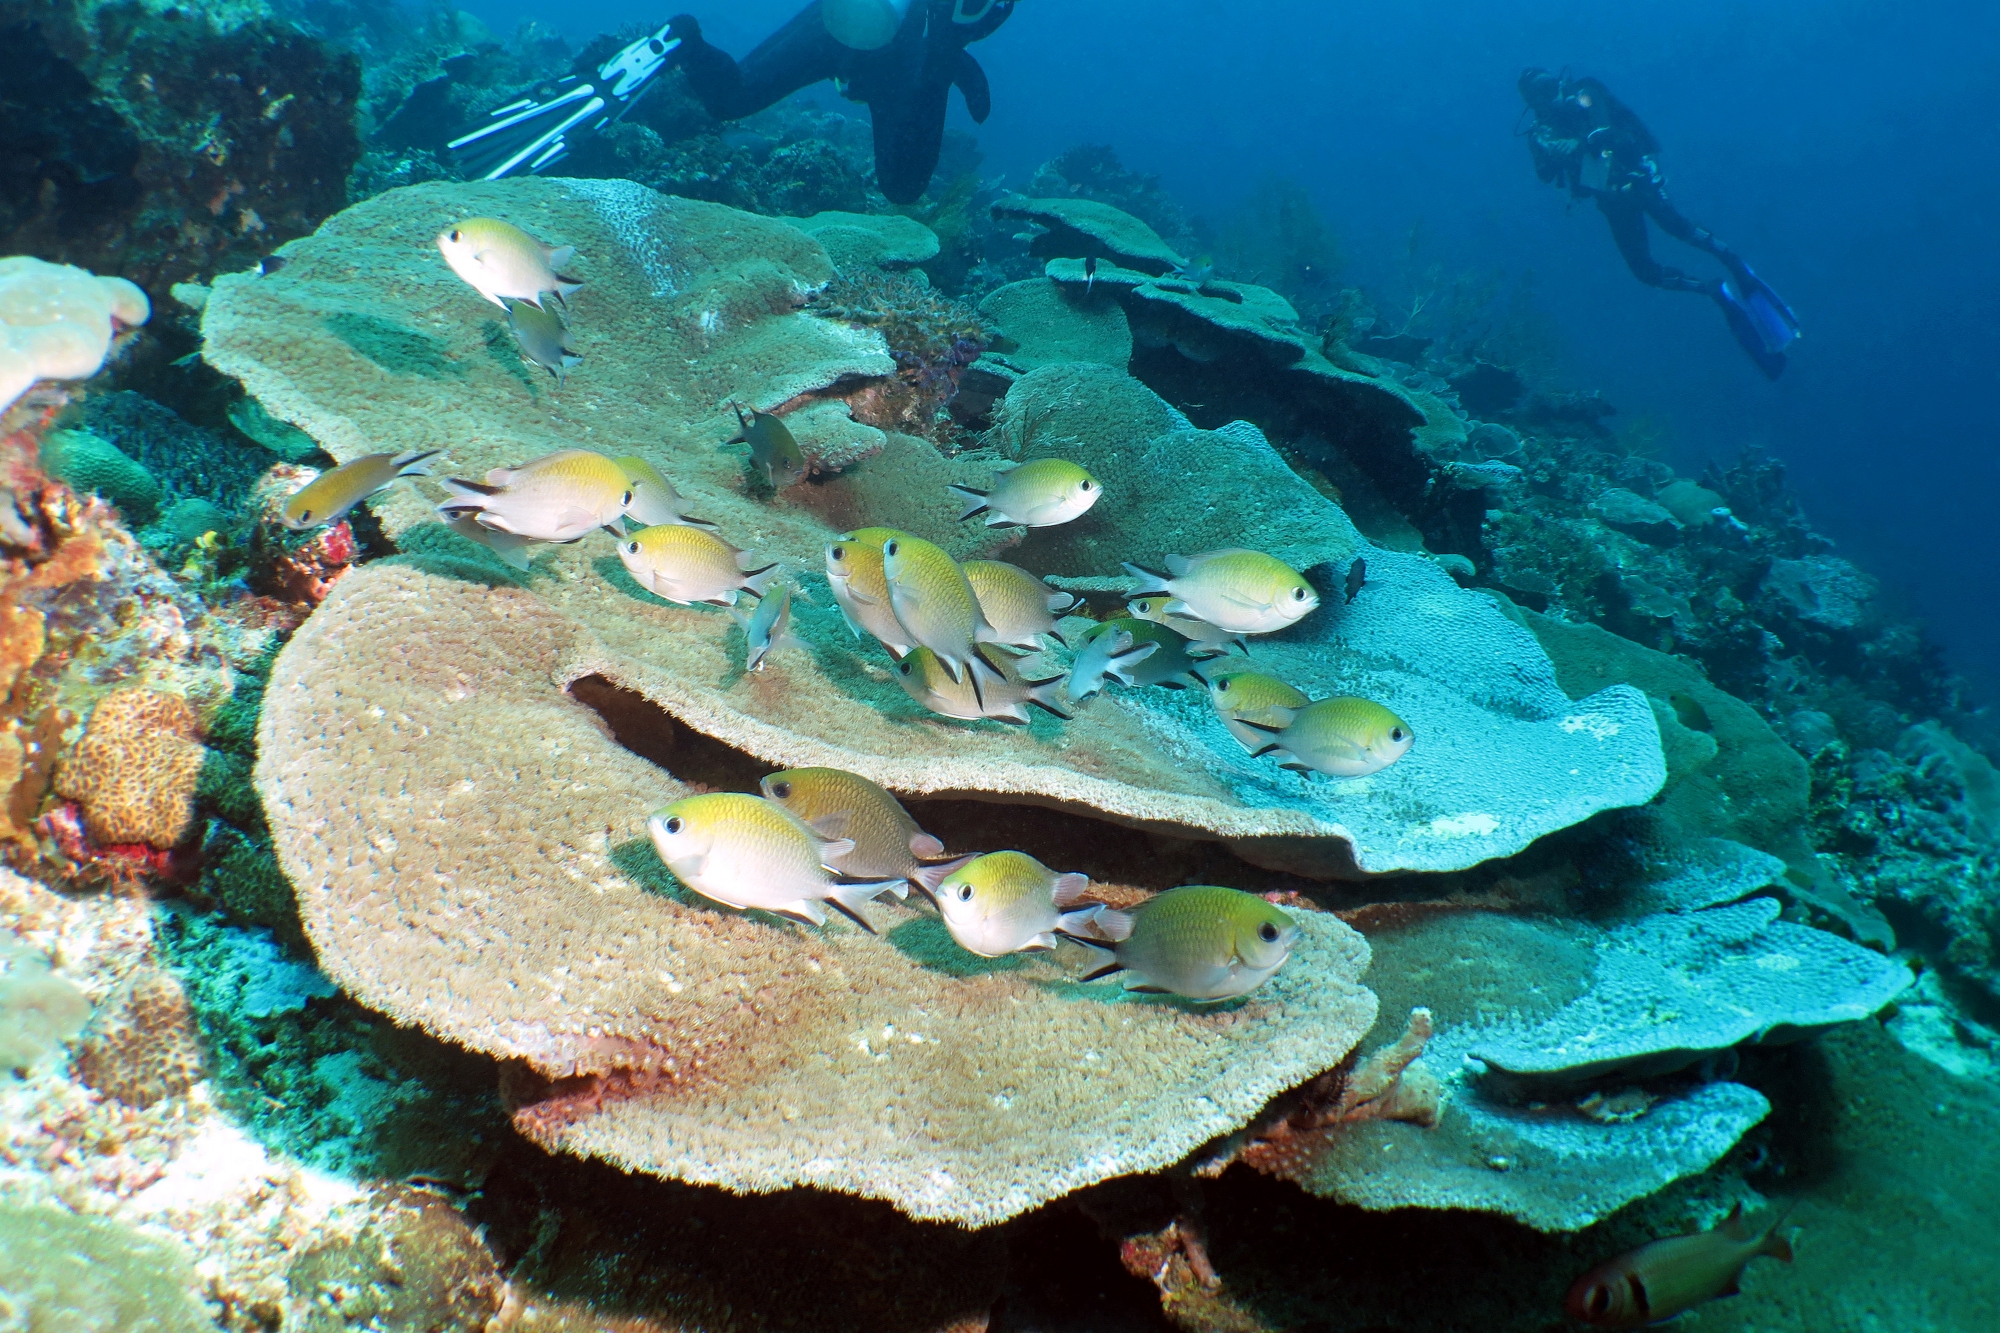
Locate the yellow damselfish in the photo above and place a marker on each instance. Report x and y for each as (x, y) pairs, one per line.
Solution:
(1242, 697)
(887, 842)
(854, 572)
(935, 605)
(1244, 592)
(1005, 902)
(332, 493)
(1201, 940)
(744, 851)
(501, 261)
(1020, 607)
(685, 564)
(559, 497)
(1040, 494)
(1341, 737)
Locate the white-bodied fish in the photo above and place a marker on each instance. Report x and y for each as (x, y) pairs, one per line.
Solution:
(854, 572)
(543, 338)
(887, 842)
(1168, 665)
(654, 499)
(1005, 902)
(332, 493)
(500, 260)
(1242, 697)
(768, 628)
(1200, 941)
(1040, 494)
(1204, 639)
(744, 851)
(559, 497)
(924, 678)
(935, 605)
(1020, 607)
(684, 564)
(1112, 654)
(1342, 737)
(1244, 592)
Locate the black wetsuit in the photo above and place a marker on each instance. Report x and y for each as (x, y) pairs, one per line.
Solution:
(905, 83)
(1569, 134)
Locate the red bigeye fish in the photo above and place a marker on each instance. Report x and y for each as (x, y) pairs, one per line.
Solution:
(1667, 1278)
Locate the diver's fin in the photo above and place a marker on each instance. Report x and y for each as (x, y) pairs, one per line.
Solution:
(527, 135)
(1757, 326)
(971, 81)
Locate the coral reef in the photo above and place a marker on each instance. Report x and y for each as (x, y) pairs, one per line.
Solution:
(135, 769)
(61, 1271)
(142, 1044)
(57, 322)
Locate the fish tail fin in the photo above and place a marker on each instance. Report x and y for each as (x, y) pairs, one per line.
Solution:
(984, 673)
(758, 580)
(929, 877)
(850, 898)
(1111, 925)
(852, 914)
(412, 464)
(740, 616)
(1150, 582)
(975, 499)
(1047, 695)
(558, 256)
(1121, 663)
(1775, 1243)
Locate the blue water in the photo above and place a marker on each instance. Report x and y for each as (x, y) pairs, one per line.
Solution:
(1844, 147)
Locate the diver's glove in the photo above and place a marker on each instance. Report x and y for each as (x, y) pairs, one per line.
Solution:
(532, 135)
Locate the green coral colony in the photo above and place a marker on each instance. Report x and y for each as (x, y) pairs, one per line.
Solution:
(500, 849)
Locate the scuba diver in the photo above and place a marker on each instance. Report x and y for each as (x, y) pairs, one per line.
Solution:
(1588, 142)
(901, 57)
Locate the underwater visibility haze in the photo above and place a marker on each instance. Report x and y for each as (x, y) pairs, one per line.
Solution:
(947, 665)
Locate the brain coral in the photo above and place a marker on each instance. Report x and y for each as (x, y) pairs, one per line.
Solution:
(468, 846)
(1505, 757)
(135, 770)
(143, 1044)
(57, 321)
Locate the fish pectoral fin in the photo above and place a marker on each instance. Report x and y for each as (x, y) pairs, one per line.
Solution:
(810, 912)
(925, 845)
(1069, 889)
(1133, 987)
(1038, 943)
(832, 826)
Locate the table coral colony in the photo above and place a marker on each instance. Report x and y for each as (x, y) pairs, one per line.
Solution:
(363, 963)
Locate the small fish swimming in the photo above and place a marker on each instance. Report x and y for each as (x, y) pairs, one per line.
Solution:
(499, 260)
(744, 852)
(543, 338)
(935, 605)
(1196, 271)
(887, 842)
(1667, 1278)
(768, 628)
(1089, 274)
(1005, 902)
(1168, 665)
(332, 493)
(1200, 940)
(1111, 653)
(559, 497)
(684, 565)
(773, 451)
(1245, 592)
(1007, 699)
(1020, 607)
(1040, 494)
(861, 589)
(1357, 577)
(1250, 696)
(1205, 640)
(1340, 737)
(654, 499)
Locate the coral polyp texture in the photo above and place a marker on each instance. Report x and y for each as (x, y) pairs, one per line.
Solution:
(57, 321)
(134, 772)
(468, 844)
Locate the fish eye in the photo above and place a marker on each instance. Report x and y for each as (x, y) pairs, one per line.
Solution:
(455, 235)
(675, 824)
(1086, 485)
(1222, 687)
(889, 547)
(837, 552)
(965, 893)
(1298, 594)
(1598, 1303)
(1395, 733)
(632, 548)
(627, 499)
(305, 516)
(903, 667)
(1268, 933)
(781, 790)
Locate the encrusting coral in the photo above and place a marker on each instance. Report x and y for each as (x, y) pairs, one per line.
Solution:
(57, 322)
(134, 772)
(142, 1044)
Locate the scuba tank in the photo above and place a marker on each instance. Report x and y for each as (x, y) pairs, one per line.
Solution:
(863, 25)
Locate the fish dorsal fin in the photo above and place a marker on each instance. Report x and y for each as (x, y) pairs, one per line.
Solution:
(1177, 565)
(925, 845)
(1069, 889)
(559, 256)
(1005, 465)
(500, 476)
